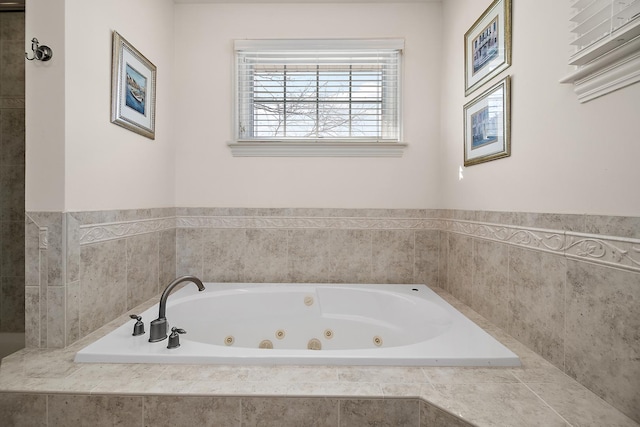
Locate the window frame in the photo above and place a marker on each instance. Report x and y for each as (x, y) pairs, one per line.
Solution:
(316, 147)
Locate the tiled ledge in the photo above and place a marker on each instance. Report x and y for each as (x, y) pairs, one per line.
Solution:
(569, 239)
(533, 395)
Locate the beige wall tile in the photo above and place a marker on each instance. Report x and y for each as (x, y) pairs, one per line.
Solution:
(602, 341)
(426, 262)
(171, 411)
(308, 255)
(281, 412)
(538, 280)
(224, 252)
(23, 409)
(103, 284)
(460, 268)
(266, 256)
(392, 256)
(350, 256)
(385, 412)
(98, 411)
(143, 265)
(492, 293)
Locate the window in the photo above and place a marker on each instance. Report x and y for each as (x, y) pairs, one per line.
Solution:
(606, 46)
(330, 96)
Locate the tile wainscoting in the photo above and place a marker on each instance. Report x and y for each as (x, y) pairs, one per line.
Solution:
(566, 286)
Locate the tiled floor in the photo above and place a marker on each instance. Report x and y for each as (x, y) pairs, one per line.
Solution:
(536, 394)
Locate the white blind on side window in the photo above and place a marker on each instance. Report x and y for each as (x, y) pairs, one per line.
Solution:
(313, 90)
(599, 26)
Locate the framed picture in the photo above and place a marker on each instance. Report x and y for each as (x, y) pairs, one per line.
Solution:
(133, 89)
(487, 45)
(487, 125)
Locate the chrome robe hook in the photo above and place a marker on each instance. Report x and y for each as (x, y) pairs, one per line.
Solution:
(41, 53)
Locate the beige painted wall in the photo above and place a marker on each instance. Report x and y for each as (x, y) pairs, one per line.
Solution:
(566, 157)
(207, 174)
(77, 159)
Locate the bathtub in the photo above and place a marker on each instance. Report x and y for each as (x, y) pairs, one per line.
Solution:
(307, 324)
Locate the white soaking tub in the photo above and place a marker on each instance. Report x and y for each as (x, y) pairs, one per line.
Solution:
(307, 324)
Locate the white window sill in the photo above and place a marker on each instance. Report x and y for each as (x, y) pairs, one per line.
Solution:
(317, 149)
(614, 70)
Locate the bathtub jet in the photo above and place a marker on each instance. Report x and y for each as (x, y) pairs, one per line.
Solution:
(159, 326)
(308, 324)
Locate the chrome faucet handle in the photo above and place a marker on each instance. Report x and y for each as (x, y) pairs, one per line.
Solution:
(138, 328)
(174, 338)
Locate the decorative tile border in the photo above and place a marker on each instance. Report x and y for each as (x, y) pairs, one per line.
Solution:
(12, 103)
(94, 233)
(616, 252)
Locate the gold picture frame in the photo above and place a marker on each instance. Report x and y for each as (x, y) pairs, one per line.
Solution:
(133, 89)
(487, 46)
(487, 125)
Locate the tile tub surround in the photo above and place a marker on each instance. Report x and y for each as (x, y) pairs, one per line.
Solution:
(541, 277)
(12, 172)
(45, 387)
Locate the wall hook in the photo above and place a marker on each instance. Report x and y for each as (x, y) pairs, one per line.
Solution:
(41, 53)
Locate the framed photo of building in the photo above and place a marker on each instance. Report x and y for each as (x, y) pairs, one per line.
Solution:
(487, 45)
(487, 125)
(133, 89)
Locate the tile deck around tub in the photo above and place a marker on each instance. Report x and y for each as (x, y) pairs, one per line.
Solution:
(536, 394)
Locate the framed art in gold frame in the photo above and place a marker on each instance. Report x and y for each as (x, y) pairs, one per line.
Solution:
(133, 89)
(487, 45)
(487, 125)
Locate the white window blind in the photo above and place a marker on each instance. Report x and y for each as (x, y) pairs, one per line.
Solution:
(318, 90)
(599, 26)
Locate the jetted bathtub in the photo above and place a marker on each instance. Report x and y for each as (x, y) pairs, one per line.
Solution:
(307, 324)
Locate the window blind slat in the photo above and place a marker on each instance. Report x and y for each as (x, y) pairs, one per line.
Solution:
(333, 92)
(596, 21)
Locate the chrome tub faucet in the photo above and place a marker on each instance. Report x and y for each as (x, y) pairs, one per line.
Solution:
(159, 326)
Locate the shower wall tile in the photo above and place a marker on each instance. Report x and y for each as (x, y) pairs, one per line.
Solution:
(392, 254)
(103, 284)
(223, 252)
(12, 192)
(603, 333)
(12, 136)
(12, 26)
(12, 303)
(12, 249)
(142, 268)
(492, 293)
(350, 256)
(12, 69)
(308, 255)
(265, 256)
(538, 280)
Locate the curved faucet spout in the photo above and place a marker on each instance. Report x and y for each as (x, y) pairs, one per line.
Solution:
(169, 288)
(158, 330)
